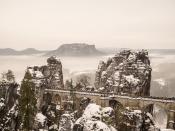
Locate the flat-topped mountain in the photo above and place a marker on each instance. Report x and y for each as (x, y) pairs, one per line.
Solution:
(28, 51)
(75, 49)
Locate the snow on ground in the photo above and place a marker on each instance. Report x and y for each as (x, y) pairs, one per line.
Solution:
(2, 103)
(91, 118)
(53, 127)
(96, 126)
(36, 73)
(107, 111)
(92, 111)
(40, 118)
(65, 123)
(131, 79)
(39, 74)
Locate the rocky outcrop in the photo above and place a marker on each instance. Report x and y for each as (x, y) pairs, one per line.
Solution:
(135, 120)
(127, 73)
(66, 123)
(50, 75)
(54, 73)
(75, 49)
(8, 91)
(95, 118)
(8, 104)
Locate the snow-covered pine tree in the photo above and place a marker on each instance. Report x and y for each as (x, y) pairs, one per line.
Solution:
(9, 76)
(27, 103)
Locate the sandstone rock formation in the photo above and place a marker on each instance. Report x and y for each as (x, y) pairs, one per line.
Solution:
(94, 118)
(127, 73)
(8, 104)
(50, 75)
(8, 91)
(66, 123)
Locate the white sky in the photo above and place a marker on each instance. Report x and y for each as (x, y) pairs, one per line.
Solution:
(46, 24)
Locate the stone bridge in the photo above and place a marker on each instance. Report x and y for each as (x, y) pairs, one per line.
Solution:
(104, 99)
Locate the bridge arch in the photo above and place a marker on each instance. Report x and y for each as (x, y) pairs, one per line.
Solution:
(56, 99)
(47, 97)
(135, 103)
(115, 104)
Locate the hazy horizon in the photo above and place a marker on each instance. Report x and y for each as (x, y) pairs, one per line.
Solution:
(98, 47)
(45, 24)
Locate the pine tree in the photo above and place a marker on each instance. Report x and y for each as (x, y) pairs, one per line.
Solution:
(27, 103)
(9, 76)
(72, 94)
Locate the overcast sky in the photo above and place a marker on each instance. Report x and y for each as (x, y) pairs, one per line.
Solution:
(46, 24)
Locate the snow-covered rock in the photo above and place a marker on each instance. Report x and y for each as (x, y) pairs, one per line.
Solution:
(107, 111)
(92, 111)
(40, 122)
(132, 80)
(127, 68)
(91, 119)
(40, 118)
(66, 123)
(95, 126)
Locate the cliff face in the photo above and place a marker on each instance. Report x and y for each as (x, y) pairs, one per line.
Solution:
(127, 73)
(8, 104)
(8, 91)
(54, 73)
(76, 49)
(50, 75)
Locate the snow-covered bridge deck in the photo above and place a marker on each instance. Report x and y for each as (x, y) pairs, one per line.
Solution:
(103, 99)
(108, 96)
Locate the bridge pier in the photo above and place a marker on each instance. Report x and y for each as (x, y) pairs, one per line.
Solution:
(171, 120)
(104, 101)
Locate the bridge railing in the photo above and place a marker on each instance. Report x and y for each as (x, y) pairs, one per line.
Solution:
(107, 94)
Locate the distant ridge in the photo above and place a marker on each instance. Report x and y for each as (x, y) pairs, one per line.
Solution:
(28, 51)
(111, 50)
(75, 49)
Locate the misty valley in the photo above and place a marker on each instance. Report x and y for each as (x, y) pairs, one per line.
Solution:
(79, 88)
(162, 68)
(87, 65)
